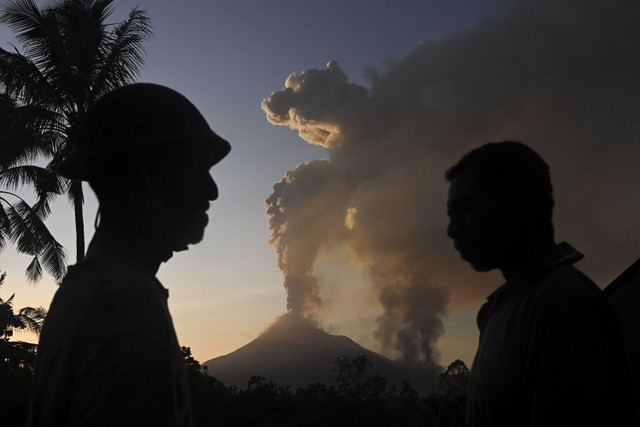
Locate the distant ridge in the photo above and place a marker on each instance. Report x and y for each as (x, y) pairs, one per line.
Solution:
(292, 352)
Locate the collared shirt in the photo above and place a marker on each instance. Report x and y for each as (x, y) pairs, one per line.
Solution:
(108, 353)
(550, 352)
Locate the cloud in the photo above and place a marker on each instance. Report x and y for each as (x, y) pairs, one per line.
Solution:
(560, 76)
(318, 104)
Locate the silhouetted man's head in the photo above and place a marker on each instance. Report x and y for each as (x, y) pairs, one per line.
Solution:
(146, 151)
(500, 205)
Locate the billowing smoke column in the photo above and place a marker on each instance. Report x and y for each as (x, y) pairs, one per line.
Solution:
(364, 198)
(303, 220)
(561, 76)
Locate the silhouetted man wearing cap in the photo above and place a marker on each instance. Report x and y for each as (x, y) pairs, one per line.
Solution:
(550, 351)
(108, 354)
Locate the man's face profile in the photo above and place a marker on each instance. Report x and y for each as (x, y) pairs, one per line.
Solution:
(475, 224)
(185, 188)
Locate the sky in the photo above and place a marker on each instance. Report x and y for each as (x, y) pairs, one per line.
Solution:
(353, 110)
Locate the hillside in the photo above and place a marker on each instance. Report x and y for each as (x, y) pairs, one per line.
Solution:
(293, 352)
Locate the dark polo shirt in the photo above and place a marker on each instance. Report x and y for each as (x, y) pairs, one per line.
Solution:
(550, 352)
(108, 353)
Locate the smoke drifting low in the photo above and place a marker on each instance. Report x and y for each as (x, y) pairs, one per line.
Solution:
(560, 76)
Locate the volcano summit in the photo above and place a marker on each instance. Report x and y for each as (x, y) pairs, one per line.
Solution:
(293, 352)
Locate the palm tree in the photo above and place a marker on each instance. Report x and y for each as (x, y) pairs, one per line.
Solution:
(71, 57)
(22, 142)
(17, 359)
(28, 318)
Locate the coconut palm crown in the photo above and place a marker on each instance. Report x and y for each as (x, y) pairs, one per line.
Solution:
(69, 57)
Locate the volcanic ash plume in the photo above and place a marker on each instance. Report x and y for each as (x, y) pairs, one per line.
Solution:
(560, 76)
(355, 200)
(303, 221)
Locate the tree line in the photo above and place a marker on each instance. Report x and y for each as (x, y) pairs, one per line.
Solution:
(356, 398)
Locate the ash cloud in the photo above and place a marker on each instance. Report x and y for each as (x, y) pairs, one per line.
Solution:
(560, 76)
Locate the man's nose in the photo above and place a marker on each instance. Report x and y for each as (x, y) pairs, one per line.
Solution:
(210, 188)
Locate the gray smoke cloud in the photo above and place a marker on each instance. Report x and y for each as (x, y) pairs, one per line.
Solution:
(561, 76)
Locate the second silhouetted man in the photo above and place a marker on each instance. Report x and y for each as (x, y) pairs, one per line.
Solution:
(550, 351)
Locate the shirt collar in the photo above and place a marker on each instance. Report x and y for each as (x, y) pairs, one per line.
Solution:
(562, 253)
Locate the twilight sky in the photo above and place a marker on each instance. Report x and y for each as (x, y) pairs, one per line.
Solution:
(400, 91)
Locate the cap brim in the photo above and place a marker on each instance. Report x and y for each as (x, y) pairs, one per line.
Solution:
(80, 167)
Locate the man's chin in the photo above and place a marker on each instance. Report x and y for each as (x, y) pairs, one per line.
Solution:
(182, 241)
(479, 265)
(481, 268)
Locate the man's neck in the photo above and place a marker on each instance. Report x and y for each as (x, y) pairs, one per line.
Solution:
(522, 258)
(128, 241)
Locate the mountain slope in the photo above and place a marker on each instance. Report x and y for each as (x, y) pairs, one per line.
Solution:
(292, 352)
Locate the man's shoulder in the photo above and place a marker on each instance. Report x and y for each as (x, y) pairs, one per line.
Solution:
(112, 284)
(108, 274)
(107, 295)
(566, 291)
(567, 279)
(103, 267)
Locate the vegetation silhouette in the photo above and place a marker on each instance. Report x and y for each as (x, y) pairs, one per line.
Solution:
(358, 398)
(16, 360)
(21, 223)
(71, 56)
(551, 348)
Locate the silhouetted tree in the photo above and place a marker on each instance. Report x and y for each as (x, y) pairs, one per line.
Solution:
(17, 360)
(20, 223)
(190, 362)
(353, 379)
(71, 57)
(449, 404)
(454, 381)
(349, 403)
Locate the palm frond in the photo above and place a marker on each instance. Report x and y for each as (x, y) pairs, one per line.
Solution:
(46, 184)
(21, 220)
(55, 164)
(48, 123)
(10, 300)
(83, 34)
(23, 17)
(32, 237)
(5, 223)
(40, 178)
(27, 133)
(52, 253)
(12, 178)
(54, 259)
(123, 55)
(37, 30)
(21, 78)
(32, 318)
(34, 270)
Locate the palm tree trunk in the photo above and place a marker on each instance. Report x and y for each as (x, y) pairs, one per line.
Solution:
(78, 200)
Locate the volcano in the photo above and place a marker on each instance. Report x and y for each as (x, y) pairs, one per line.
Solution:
(293, 352)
